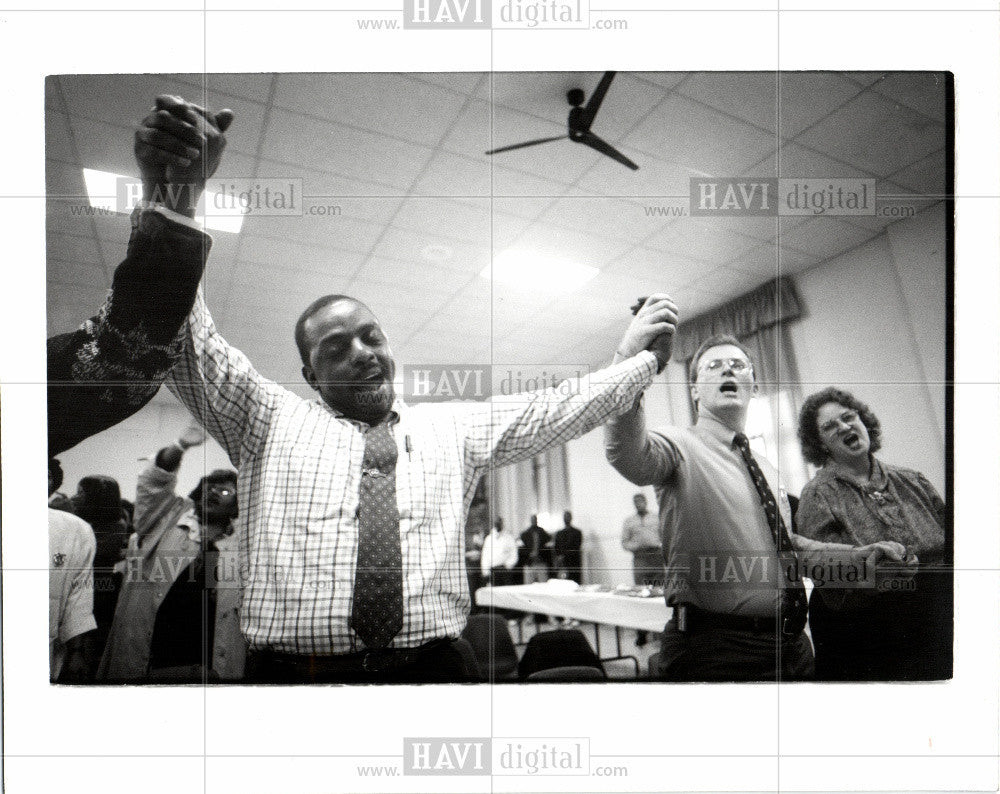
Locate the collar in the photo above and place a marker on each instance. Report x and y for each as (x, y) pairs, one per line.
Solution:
(395, 413)
(878, 481)
(716, 429)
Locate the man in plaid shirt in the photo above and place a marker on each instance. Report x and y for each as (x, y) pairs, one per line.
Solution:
(301, 462)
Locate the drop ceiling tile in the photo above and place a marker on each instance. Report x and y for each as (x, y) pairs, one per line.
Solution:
(64, 179)
(288, 255)
(568, 244)
(470, 134)
(134, 96)
(418, 112)
(922, 91)
(750, 96)
(246, 85)
(53, 95)
(768, 260)
(511, 182)
(415, 247)
(356, 154)
(658, 182)
(690, 240)
(863, 78)
(521, 206)
(666, 80)
(926, 177)
(603, 216)
(872, 133)
(72, 248)
(62, 273)
(710, 141)
(666, 272)
(799, 162)
(825, 238)
(60, 217)
(408, 277)
(727, 284)
(58, 140)
(806, 97)
(460, 82)
(336, 233)
(68, 308)
(451, 175)
(446, 219)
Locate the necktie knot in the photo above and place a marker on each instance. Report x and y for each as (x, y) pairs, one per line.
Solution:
(741, 442)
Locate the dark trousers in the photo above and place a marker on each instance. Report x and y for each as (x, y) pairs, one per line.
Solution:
(731, 655)
(441, 663)
(891, 636)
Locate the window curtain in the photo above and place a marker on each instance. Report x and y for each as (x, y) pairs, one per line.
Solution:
(539, 486)
(760, 320)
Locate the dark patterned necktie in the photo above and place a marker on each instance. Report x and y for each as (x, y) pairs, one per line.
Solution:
(377, 615)
(794, 594)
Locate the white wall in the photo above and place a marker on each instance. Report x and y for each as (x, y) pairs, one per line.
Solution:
(601, 498)
(117, 452)
(874, 324)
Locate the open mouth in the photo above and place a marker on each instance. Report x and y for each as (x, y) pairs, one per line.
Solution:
(729, 387)
(851, 439)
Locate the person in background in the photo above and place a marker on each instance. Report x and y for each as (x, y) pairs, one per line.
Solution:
(57, 499)
(535, 542)
(499, 556)
(641, 536)
(566, 551)
(98, 502)
(178, 614)
(71, 594)
(902, 632)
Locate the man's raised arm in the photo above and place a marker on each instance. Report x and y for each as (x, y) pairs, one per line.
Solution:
(641, 457)
(114, 363)
(514, 428)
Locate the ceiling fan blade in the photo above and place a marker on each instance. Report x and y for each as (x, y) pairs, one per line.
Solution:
(594, 103)
(606, 148)
(526, 143)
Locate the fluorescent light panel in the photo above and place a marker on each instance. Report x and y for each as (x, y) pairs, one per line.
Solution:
(540, 271)
(103, 192)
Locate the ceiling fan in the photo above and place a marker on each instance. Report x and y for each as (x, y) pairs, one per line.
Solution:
(579, 123)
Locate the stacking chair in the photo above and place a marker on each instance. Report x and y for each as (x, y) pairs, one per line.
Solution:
(558, 648)
(570, 673)
(493, 647)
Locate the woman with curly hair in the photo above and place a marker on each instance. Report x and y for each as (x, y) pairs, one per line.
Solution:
(902, 628)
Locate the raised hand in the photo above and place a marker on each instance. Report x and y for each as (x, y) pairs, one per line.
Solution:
(178, 147)
(653, 329)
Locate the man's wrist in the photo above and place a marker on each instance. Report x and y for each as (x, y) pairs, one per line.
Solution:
(181, 198)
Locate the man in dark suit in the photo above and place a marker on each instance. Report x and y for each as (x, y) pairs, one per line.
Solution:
(567, 554)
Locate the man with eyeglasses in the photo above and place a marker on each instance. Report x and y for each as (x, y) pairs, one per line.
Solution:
(732, 576)
(177, 618)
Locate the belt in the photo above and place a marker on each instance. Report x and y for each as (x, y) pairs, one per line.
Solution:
(692, 619)
(377, 660)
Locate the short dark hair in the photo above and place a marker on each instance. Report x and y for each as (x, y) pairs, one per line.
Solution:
(102, 499)
(55, 475)
(212, 478)
(714, 341)
(809, 437)
(311, 309)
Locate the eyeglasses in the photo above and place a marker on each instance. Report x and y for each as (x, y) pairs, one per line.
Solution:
(737, 365)
(847, 418)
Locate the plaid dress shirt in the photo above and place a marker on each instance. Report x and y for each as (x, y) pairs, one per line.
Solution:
(299, 463)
